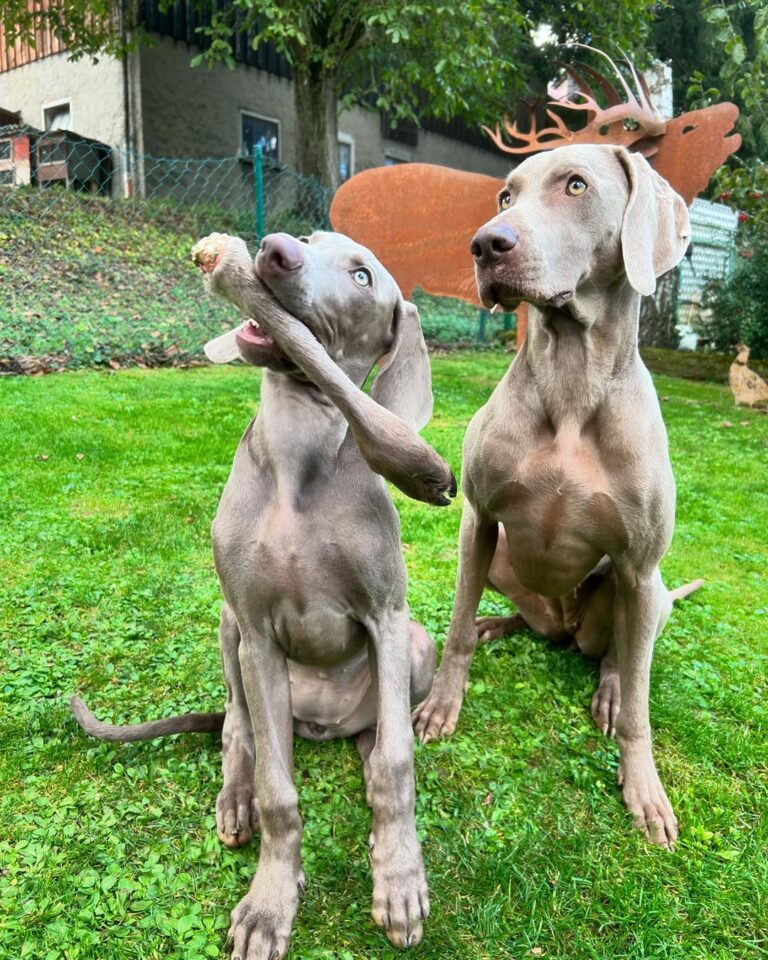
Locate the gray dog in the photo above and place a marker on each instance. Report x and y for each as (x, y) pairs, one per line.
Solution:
(315, 634)
(570, 499)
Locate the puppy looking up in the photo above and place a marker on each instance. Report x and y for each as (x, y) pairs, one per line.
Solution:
(315, 634)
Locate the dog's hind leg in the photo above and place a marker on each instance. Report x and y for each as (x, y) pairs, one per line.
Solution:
(236, 809)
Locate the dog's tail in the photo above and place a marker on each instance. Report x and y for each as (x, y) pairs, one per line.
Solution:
(680, 593)
(184, 723)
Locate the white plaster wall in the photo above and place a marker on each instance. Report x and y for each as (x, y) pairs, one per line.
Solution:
(659, 79)
(95, 92)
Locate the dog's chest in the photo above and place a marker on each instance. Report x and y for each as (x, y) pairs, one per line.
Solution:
(309, 576)
(555, 499)
(563, 472)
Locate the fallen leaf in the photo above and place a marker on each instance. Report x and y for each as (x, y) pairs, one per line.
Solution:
(42, 456)
(725, 423)
(79, 456)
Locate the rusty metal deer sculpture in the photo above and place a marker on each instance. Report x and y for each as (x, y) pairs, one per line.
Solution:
(418, 218)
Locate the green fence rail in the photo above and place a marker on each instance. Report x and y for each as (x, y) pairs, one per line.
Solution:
(94, 250)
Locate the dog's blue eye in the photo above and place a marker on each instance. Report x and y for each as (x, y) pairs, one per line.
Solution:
(362, 277)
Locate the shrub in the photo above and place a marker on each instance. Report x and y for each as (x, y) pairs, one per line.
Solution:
(738, 306)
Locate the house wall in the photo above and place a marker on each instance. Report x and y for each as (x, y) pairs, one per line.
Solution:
(195, 112)
(95, 92)
(179, 111)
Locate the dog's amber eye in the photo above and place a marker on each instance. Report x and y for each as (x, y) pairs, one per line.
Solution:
(505, 201)
(362, 277)
(575, 187)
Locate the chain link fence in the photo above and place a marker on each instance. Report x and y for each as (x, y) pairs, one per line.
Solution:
(95, 243)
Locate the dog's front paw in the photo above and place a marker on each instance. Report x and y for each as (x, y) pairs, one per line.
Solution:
(648, 803)
(400, 893)
(261, 923)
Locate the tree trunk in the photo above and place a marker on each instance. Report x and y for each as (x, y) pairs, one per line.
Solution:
(317, 122)
(658, 314)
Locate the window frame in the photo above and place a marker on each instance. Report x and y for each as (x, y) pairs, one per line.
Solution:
(259, 116)
(52, 105)
(348, 140)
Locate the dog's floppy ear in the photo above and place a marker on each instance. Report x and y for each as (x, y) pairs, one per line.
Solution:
(404, 381)
(656, 230)
(224, 348)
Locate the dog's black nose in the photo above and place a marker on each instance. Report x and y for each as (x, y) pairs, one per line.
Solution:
(492, 241)
(281, 253)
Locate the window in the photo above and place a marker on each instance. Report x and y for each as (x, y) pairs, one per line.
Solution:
(58, 116)
(259, 132)
(390, 161)
(5, 149)
(346, 157)
(52, 150)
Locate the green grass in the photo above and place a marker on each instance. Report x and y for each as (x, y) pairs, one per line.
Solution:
(107, 587)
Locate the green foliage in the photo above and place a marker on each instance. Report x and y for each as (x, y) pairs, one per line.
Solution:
(89, 28)
(739, 305)
(738, 31)
(109, 852)
(448, 321)
(735, 68)
(408, 59)
(412, 59)
(745, 188)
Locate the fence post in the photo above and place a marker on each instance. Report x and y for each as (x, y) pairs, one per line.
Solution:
(258, 190)
(482, 320)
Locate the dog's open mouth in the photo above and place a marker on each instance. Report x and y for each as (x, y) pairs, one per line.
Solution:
(251, 343)
(252, 334)
(257, 347)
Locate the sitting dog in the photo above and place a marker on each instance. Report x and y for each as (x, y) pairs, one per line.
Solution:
(570, 499)
(315, 634)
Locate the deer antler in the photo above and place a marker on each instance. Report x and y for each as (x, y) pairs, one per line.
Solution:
(604, 125)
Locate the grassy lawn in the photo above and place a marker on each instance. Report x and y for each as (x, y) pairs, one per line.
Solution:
(107, 587)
